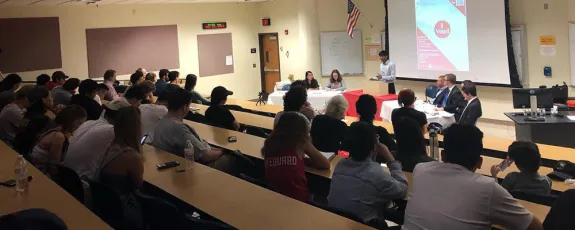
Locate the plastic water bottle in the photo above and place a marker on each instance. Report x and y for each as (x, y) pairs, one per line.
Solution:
(189, 154)
(21, 174)
(570, 182)
(433, 145)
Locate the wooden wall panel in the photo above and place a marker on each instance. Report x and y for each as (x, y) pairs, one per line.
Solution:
(212, 52)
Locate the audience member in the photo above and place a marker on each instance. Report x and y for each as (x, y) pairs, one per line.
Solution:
(217, 114)
(42, 79)
(152, 114)
(35, 119)
(561, 213)
(58, 78)
(109, 81)
(336, 82)
(441, 94)
(143, 71)
(151, 77)
(406, 100)
(174, 78)
(148, 88)
(162, 82)
(472, 110)
(411, 146)
(360, 185)
(135, 79)
(528, 159)
(284, 151)
(366, 108)
(7, 88)
(137, 94)
(171, 134)
(85, 99)
(197, 98)
(451, 195)
(12, 114)
(310, 82)
(51, 147)
(90, 141)
(307, 110)
(328, 130)
(63, 94)
(122, 166)
(101, 93)
(453, 97)
(294, 101)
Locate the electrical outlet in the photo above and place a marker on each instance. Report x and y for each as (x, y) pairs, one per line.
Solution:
(254, 65)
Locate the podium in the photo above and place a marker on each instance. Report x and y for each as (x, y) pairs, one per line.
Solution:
(554, 130)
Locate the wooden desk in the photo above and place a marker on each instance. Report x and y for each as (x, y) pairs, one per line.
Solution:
(237, 202)
(244, 118)
(43, 193)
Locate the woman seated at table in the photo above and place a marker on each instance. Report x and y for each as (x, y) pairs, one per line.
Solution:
(366, 107)
(406, 100)
(411, 146)
(295, 101)
(336, 82)
(328, 131)
(283, 153)
(191, 80)
(310, 82)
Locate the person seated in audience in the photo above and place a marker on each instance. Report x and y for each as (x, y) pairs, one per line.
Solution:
(171, 134)
(453, 96)
(450, 195)
(35, 120)
(441, 93)
(135, 79)
(12, 114)
(328, 130)
(560, 217)
(294, 101)
(197, 98)
(7, 88)
(361, 186)
(336, 82)
(471, 112)
(143, 71)
(63, 94)
(101, 92)
(90, 141)
(366, 108)
(284, 150)
(151, 77)
(58, 78)
(51, 147)
(162, 81)
(174, 78)
(42, 79)
(217, 114)
(411, 146)
(152, 114)
(528, 159)
(310, 82)
(148, 88)
(307, 110)
(85, 99)
(136, 94)
(109, 81)
(122, 166)
(406, 100)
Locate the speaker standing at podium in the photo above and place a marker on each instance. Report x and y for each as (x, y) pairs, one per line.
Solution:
(387, 71)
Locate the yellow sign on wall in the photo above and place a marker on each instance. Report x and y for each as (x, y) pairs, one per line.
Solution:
(547, 40)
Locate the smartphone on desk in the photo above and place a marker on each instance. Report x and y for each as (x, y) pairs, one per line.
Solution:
(168, 165)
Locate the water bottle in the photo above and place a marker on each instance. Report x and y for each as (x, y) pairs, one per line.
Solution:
(20, 174)
(433, 145)
(570, 182)
(189, 154)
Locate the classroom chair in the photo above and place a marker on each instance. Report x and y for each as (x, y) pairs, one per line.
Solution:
(255, 131)
(347, 214)
(69, 180)
(235, 108)
(106, 204)
(196, 117)
(197, 223)
(538, 199)
(158, 213)
(431, 92)
(255, 181)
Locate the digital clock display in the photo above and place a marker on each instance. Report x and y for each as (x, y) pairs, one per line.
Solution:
(214, 25)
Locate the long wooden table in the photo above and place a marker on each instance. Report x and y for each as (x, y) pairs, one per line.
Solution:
(43, 193)
(251, 146)
(237, 202)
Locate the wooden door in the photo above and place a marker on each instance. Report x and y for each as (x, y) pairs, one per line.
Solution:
(270, 61)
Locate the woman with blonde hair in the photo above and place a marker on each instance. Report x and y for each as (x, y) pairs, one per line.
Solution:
(151, 76)
(328, 130)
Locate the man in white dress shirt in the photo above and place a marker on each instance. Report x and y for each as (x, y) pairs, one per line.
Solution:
(387, 71)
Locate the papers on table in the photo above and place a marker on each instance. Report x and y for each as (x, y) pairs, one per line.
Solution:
(571, 118)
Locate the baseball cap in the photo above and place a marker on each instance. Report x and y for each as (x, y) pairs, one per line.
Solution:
(117, 104)
(219, 94)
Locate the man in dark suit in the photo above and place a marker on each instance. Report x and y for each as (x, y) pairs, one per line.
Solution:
(441, 92)
(472, 112)
(453, 95)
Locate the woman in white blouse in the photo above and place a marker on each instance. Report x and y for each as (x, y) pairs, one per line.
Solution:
(336, 81)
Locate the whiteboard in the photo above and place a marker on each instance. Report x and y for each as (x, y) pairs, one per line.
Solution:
(339, 51)
(572, 51)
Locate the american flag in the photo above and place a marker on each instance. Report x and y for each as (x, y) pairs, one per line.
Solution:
(352, 17)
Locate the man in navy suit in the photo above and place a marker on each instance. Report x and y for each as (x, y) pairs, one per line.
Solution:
(472, 111)
(441, 92)
(452, 97)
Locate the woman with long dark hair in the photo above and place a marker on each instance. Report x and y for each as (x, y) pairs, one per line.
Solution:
(406, 100)
(191, 80)
(366, 108)
(336, 82)
(283, 153)
(35, 119)
(411, 146)
(310, 82)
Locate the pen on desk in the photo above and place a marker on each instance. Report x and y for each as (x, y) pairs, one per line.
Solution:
(180, 170)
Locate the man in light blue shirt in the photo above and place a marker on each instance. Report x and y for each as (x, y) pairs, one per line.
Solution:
(387, 71)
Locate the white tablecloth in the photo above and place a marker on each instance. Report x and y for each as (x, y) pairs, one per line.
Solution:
(317, 98)
(443, 118)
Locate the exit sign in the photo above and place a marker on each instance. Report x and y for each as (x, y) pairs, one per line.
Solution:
(266, 22)
(214, 25)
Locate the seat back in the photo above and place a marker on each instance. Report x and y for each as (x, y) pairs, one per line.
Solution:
(337, 211)
(106, 204)
(69, 180)
(158, 213)
(195, 117)
(235, 107)
(538, 199)
(255, 181)
(196, 223)
(431, 91)
(255, 131)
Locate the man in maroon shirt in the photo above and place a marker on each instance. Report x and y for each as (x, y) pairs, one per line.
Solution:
(58, 79)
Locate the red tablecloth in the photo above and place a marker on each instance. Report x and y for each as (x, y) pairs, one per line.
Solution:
(353, 96)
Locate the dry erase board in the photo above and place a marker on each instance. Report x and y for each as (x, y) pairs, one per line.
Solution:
(339, 51)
